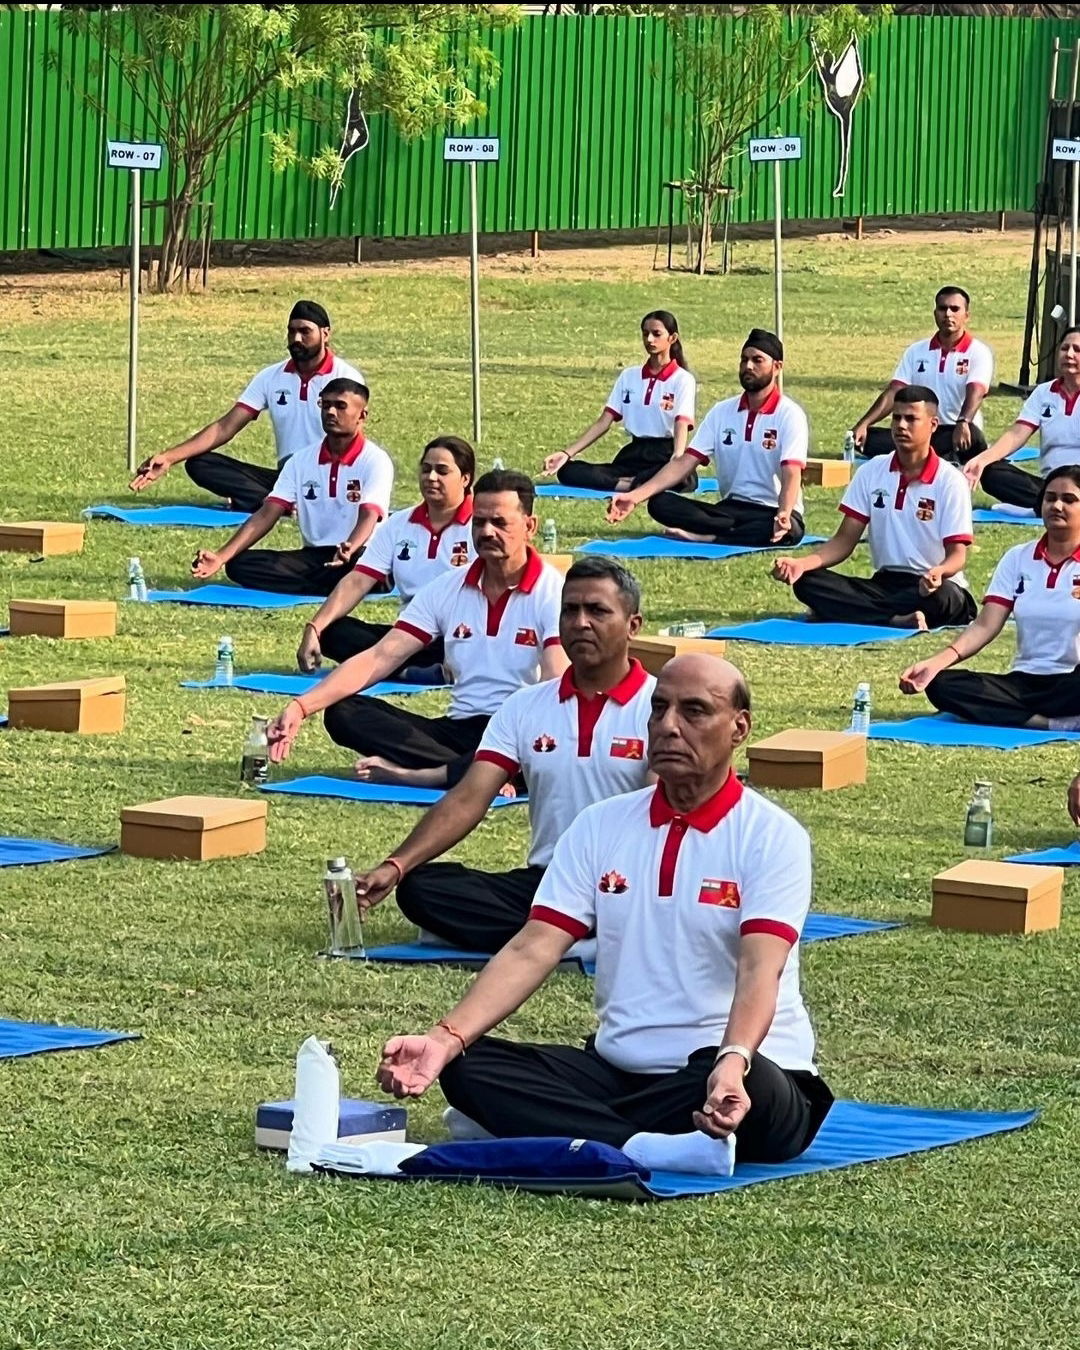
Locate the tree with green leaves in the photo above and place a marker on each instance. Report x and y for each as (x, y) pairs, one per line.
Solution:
(737, 65)
(200, 73)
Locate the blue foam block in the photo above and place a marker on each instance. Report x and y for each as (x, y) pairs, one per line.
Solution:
(31, 852)
(353, 790)
(232, 597)
(982, 516)
(34, 1038)
(1069, 856)
(271, 682)
(198, 517)
(944, 729)
(800, 632)
(598, 494)
(657, 546)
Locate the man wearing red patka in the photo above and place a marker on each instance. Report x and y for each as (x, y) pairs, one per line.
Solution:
(697, 890)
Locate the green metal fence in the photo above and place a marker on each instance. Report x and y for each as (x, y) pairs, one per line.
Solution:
(951, 119)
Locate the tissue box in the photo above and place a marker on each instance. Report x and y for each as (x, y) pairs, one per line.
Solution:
(358, 1123)
(88, 707)
(655, 652)
(62, 618)
(47, 537)
(827, 473)
(997, 897)
(195, 828)
(808, 759)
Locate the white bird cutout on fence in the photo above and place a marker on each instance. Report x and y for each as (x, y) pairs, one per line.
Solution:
(843, 83)
(354, 138)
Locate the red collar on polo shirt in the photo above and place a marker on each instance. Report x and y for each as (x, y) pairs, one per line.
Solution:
(534, 568)
(349, 457)
(622, 693)
(1041, 555)
(1069, 399)
(462, 516)
(926, 475)
(961, 346)
(704, 817)
(647, 372)
(769, 406)
(325, 369)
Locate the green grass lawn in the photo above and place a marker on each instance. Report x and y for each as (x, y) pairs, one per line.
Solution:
(136, 1212)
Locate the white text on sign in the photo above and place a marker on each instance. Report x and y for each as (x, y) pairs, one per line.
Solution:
(134, 155)
(466, 148)
(1067, 150)
(776, 147)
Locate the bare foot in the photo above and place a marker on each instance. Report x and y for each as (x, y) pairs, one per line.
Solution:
(916, 620)
(623, 485)
(509, 791)
(673, 533)
(375, 769)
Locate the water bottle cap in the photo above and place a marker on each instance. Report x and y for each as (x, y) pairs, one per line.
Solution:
(336, 865)
(225, 640)
(134, 562)
(979, 783)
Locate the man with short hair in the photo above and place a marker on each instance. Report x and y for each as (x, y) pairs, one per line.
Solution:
(576, 741)
(758, 443)
(956, 366)
(339, 489)
(289, 392)
(697, 890)
(916, 511)
(499, 621)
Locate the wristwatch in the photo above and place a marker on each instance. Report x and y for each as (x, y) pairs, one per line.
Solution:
(739, 1050)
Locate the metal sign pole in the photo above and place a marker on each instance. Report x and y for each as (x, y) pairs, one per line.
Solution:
(474, 289)
(133, 324)
(778, 259)
(1072, 241)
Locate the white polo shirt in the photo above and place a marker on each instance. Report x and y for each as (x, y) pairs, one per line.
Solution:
(1044, 599)
(573, 751)
(1053, 414)
(669, 898)
(910, 523)
(407, 550)
(948, 373)
(749, 448)
(293, 401)
(327, 492)
(650, 402)
(492, 649)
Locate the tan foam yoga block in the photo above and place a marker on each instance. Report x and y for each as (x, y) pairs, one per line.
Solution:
(195, 828)
(62, 618)
(89, 707)
(997, 897)
(47, 537)
(655, 652)
(809, 759)
(562, 562)
(827, 473)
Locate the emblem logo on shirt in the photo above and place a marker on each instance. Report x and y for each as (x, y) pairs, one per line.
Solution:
(768, 441)
(920, 369)
(459, 554)
(963, 365)
(462, 631)
(543, 745)
(1076, 588)
(925, 509)
(722, 893)
(626, 396)
(667, 402)
(311, 490)
(1021, 584)
(1047, 411)
(526, 637)
(353, 491)
(729, 436)
(282, 398)
(613, 883)
(405, 549)
(879, 500)
(627, 747)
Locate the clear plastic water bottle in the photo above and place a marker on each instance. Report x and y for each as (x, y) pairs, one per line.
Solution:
(255, 764)
(346, 929)
(549, 537)
(860, 710)
(849, 447)
(223, 668)
(497, 464)
(136, 580)
(692, 628)
(979, 824)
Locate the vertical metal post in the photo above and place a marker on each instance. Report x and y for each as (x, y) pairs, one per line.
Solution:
(474, 280)
(134, 282)
(778, 263)
(1072, 241)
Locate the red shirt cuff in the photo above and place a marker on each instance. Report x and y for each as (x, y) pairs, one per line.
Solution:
(958, 539)
(998, 600)
(553, 642)
(576, 929)
(612, 413)
(371, 572)
(698, 454)
(280, 501)
(773, 927)
(248, 408)
(415, 632)
(688, 420)
(509, 766)
(855, 515)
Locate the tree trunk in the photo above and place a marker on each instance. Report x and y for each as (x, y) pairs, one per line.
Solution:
(706, 202)
(175, 242)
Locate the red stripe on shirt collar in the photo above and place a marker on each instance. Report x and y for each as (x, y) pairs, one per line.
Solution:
(1040, 554)
(647, 372)
(325, 369)
(349, 457)
(420, 516)
(961, 346)
(704, 817)
(630, 685)
(928, 472)
(534, 568)
(769, 406)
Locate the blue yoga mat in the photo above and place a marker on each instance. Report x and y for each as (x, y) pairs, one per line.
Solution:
(232, 597)
(982, 516)
(30, 852)
(34, 1038)
(818, 928)
(800, 632)
(270, 682)
(1024, 455)
(198, 517)
(597, 494)
(1069, 856)
(351, 789)
(944, 729)
(656, 546)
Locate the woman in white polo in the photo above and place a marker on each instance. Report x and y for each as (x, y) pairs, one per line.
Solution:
(1039, 585)
(413, 547)
(1051, 410)
(655, 404)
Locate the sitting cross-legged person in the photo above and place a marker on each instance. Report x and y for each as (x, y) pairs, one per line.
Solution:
(916, 512)
(697, 890)
(1039, 585)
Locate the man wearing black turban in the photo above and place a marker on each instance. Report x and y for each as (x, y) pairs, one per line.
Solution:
(289, 392)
